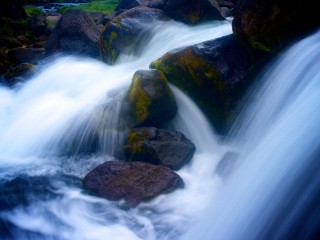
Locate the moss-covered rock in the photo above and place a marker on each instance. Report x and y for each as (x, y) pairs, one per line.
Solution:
(126, 32)
(159, 146)
(213, 73)
(151, 99)
(271, 25)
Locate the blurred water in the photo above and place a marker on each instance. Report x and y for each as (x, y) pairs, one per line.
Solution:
(41, 195)
(275, 191)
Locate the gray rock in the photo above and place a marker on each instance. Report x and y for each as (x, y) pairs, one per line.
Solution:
(159, 146)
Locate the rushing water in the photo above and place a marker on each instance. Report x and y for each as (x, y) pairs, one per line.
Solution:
(41, 195)
(275, 191)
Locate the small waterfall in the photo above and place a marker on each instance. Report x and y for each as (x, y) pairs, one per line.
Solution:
(274, 192)
(41, 196)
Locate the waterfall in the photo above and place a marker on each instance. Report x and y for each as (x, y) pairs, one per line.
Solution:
(274, 191)
(41, 195)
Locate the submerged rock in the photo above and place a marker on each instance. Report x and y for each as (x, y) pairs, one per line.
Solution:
(151, 100)
(76, 32)
(132, 182)
(159, 146)
(212, 73)
(126, 32)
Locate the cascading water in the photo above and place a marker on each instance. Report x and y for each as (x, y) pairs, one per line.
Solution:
(275, 190)
(41, 195)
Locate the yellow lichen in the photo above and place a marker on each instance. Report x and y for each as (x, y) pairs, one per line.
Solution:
(140, 100)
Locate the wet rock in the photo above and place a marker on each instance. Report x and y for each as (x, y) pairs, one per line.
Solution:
(132, 182)
(75, 32)
(213, 73)
(19, 73)
(159, 146)
(128, 31)
(151, 100)
(23, 55)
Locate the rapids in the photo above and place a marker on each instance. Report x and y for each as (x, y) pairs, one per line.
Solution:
(41, 195)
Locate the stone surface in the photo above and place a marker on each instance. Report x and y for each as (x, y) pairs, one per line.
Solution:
(159, 146)
(132, 182)
(213, 73)
(126, 33)
(76, 32)
(151, 100)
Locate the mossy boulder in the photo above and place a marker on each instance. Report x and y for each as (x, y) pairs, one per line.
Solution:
(132, 182)
(126, 33)
(213, 73)
(150, 98)
(271, 25)
(76, 32)
(159, 146)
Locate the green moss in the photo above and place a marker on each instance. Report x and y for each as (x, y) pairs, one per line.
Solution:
(30, 10)
(107, 51)
(140, 100)
(113, 35)
(105, 6)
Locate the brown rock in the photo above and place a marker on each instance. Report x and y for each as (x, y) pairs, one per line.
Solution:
(133, 182)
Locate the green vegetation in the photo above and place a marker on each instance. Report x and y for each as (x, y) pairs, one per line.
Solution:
(139, 99)
(30, 10)
(105, 6)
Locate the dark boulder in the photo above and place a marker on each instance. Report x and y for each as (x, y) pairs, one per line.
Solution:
(128, 31)
(19, 73)
(127, 4)
(193, 11)
(132, 182)
(75, 32)
(159, 146)
(213, 73)
(23, 55)
(97, 17)
(150, 98)
(271, 25)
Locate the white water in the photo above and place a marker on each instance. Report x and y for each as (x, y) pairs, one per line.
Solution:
(274, 193)
(47, 109)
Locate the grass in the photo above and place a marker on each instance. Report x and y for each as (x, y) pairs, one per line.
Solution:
(105, 6)
(30, 10)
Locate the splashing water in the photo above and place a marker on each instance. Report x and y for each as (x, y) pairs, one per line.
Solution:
(274, 192)
(41, 196)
